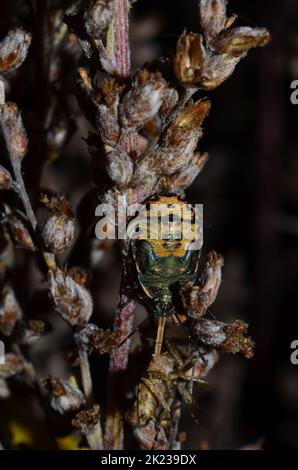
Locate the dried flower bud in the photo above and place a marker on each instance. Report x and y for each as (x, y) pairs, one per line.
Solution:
(13, 131)
(97, 17)
(58, 233)
(31, 331)
(119, 167)
(58, 230)
(227, 337)
(236, 341)
(145, 98)
(181, 139)
(212, 17)
(217, 69)
(196, 299)
(13, 365)
(14, 49)
(71, 300)
(19, 234)
(170, 99)
(91, 338)
(65, 398)
(6, 181)
(87, 420)
(210, 332)
(107, 112)
(193, 115)
(57, 204)
(237, 41)
(181, 180)
(189, 59)
(10, 311)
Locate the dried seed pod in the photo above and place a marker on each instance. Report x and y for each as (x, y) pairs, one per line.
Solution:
(107, 111)
(181, 139)
(237, 41)
(6, 181)
(189, 59)
(213, 17)
(119, 167)
(58, 230)
(13, 366)
(87, 420)
(217, 69)
(58, 233)
(18, 232)
(97, 17)
(10, 311)
(196, 299)
(64, 397)
(71, 300)
(91, 338)
(145, 98)
(14, 49)
(227, 337)
(13, 131)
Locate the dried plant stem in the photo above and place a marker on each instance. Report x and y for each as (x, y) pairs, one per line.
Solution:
(86, 376)
(119, 51)
(114, 434)
(95, 439)
(20, 186)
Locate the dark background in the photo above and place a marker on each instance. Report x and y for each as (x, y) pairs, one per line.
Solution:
(250, 194)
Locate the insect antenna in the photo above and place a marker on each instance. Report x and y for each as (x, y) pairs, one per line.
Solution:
(189, 336)
(133, 332)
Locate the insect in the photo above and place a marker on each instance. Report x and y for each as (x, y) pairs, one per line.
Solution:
(175, 370)
(166, 257)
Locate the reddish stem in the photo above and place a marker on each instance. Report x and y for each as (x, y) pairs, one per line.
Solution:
(114, 431)
(121, 50)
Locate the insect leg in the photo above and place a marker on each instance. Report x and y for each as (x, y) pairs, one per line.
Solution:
(190, 338)
(160, 334)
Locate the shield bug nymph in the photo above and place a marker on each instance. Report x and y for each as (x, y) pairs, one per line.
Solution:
(166, 250)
